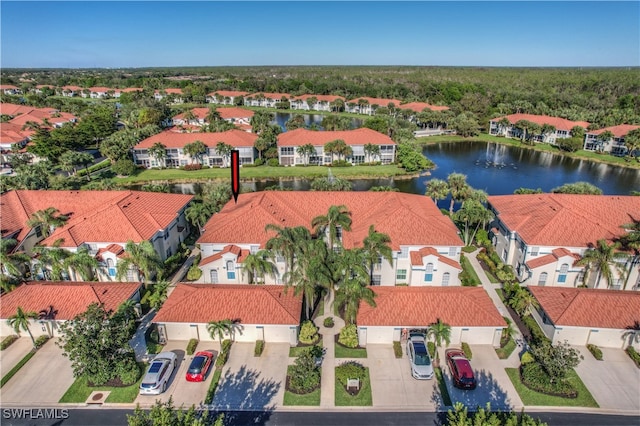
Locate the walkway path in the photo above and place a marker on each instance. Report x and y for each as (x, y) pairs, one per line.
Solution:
(327, 392)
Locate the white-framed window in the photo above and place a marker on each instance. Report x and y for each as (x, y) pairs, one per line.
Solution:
(428, 273)
(254, 249)
(542, 280)
(376, 280)
(213, 274)
(445, 278)
(231, 270)
(404, 253)
(563, 273)
(535, 251)
(453, 251)
(401, 274)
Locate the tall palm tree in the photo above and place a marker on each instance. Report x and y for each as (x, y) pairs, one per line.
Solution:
(631, 242)
(338, 216)
(188, 116)
(213, 115)
(220, 328)
(198, 214)
(437, 189)
(459, 188)
(371, 151)
(47, 219)
(352, 291)
(82, 263)
(52, 260)
(376, 246)
(257, 265)
(20, 321)
(305, 151)
(158, 151)
(12, 263)
(195, 150)
(523, 301)
(601, 259)
(142, 257)
(440, 332)
(310, 274)
(632, 333)
(286, 241)
(224, 150)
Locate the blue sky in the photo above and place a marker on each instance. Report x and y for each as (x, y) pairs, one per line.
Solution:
(148, 34)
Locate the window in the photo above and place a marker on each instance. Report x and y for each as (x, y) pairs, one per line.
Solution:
(445, 278)
(401, 274)
(404, 252)
(535, 251)
(376, 279)
(581, 277)
(453, 251)
(428, 274)
(378, 263)
(279, 258)
(543, 279)
(286, 150)
(254, 249)
(214, 276)
(231, 270)
(504, 255)
(111, 268)
(339, 233)
(563, 273)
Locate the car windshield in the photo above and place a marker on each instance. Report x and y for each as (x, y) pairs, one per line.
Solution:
(148, 385)
(197, 364)
(422, 359)
(155, 367)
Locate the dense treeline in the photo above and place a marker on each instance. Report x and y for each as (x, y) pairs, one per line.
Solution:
(606, 96)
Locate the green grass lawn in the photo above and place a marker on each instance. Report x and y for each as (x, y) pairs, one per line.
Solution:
(343, 352)
(531, 397)
(468, 268)
(16, 368)
(297, 350)
(444, 392)
(491, 277)
(79, 391)
(310, 399)
(504, 353)
(363, 399)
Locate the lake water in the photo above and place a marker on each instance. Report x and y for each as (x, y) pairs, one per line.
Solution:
(281, 119)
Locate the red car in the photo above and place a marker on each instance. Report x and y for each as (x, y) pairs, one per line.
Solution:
(199, 366)
(460, 368)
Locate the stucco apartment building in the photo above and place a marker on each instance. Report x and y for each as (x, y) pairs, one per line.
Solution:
(289, 142)
(543, 235)
(614, 145)
(101, 221)
(366, 105)
(314, 102)
(241, 117)
(425, 243)
(562, 127)
(264, 99)
(175, 143)
(225, 97)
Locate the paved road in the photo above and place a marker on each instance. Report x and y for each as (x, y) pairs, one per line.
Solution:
(110, 417)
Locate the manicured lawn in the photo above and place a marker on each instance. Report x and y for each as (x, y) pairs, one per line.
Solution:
(311, 399)
(78, 392)
(491, 277)
(297, 350)
(444, 393)
(16, 368)
(504, 353)
(468, 268)
(530, 397)
(363, 399)
(343, 352)
(469, 249)
(213, 386)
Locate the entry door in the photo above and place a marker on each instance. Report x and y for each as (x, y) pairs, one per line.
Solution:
(194, 331)
(214, 276)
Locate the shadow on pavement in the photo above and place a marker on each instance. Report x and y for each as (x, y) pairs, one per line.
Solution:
(488, 390)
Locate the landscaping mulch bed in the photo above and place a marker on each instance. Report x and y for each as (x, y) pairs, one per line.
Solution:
(337, 336)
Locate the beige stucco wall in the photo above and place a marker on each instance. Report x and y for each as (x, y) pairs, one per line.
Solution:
(243, 333)
(471, 335)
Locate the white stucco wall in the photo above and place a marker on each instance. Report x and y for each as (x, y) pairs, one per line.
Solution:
(471, 335)
(244, 332)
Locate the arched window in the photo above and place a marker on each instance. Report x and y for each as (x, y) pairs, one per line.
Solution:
(428, 274)
(111, 268)
(231, 270)
(563, 273)
(543, 278)
(445, 279)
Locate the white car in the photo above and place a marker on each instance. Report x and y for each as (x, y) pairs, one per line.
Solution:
(421, 367)
(158, 374)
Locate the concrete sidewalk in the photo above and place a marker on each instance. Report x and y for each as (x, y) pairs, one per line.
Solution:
(328, 375)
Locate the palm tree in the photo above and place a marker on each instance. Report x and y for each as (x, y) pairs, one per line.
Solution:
(141, 257)
(600, 259)
(220, 328)
(631, 242)
(195, 150)
(604, 138)
(305, 151)
(52, 260)
(258, 265)
(523, 302)
(337, 217)
(20, 321)
(286, 241)
(376, 246)
(188, 116)
(632, 333)
(198, 214)
(371, 151)
(81, 263)
(503, 125)
(12, 263)
(47, 219)
(439, 331)
(159, 151)
(224, 150)
(352, 291)
(213, 115)
(311, 273)
(437, 189)
(545, 130)
(459, 188)
(632, 142)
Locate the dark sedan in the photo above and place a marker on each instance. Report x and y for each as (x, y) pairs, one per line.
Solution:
(460, 368)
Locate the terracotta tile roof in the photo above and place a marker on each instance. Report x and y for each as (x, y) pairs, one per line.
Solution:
(376, 101)
(72, 88)
(421, 306)
(130, 89)
(407, 218)
(420, 106)
(232, 112)
(553, 257)
(101, 89)
(557, 122)
(235, 138)
(14, 109)
(229, 93)
(618, 131)
(42, 86)
(584, 307)
(39, 115)
(416, 257)
(171, 91)
(200, 114)
(95, 216)
(566, 220)
(240, 254)
(7, 87)
(11, 133)
(274, 96)
(66, 297)
(202, 303)
(320, 98)
(361, 136)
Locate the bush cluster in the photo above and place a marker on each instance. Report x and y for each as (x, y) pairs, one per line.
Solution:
(194, 273)
(308, 333)
(537, 335)
(397, 349)
(273, 162)
(41, 340)
(490, 258)
(536, 378)
(190, 167)
(224, 353)
(259, 348)
(526, 358)
(128, 371)
(259, 162)
(304, 374)
(467, 350)
(7, 341)
(349, 370)
(349, 336)
(635, 356)
(191, 346)
(431, 347)
(328, 322)
(341, 163)
(595, 351)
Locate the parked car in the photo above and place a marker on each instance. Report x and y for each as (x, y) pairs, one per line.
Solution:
(158, 374)
(460, 368)
(199, 366)
(421, 367)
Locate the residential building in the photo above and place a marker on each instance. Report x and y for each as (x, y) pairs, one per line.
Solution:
(12, 135)
(261, 313)
(614, 145)
(581, 316)
(425, 243)
(263, 99)
(39, 88)
(469, 311)
(101, 221)
(562, 127)
(175, 143)
(71, 91)
(225, 97)
(321, 102)
(289, 142)
(159, 95)
(9, 89)
(421, 106)
(241, 117)
(99, 92)
(365, 105)
(56, 302)
(542, 236)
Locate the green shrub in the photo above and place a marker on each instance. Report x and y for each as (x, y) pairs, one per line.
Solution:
(304, 374)
(128, 371)
(349, 336)
(259, 348)
(124, 167)
(224, 353)
(190, 167)
(273, 162)
(191, 347)
(635, 356)
(526, 358)
(341, 163)
(536, 378)
(308, 333)
(328, 322)
(431, 347)
(41, 340)
(259, 162)
(248, 165)
(349, 370)
(467, 350)
(7, 341)
(397, 349)
(194, 273)
(537, 335)
(482, 237)
(595, 351)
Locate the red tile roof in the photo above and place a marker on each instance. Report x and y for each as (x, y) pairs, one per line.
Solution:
(67, 298)
(11, 133)
(361, 136)
(249, 304)
(228, 93)
(235, 138)
(421, 306)
(408, 219)
(200, 114)
(274, 96)
(416, 257)
(72, 88)
(583, 307)
(14, 109)
(130, 89)
(557, 122)
(171, 91)
(618, 131)
(94, 216)
(240, 254)
(39, 115)
(232, 112)
(566, 220)
(553, 257)
(420, 106)
(320, 98)
(7, 87)
(376, 101)
(101, 89)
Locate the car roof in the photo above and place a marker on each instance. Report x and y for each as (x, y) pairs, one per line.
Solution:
(419, 346)
(464, 366)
